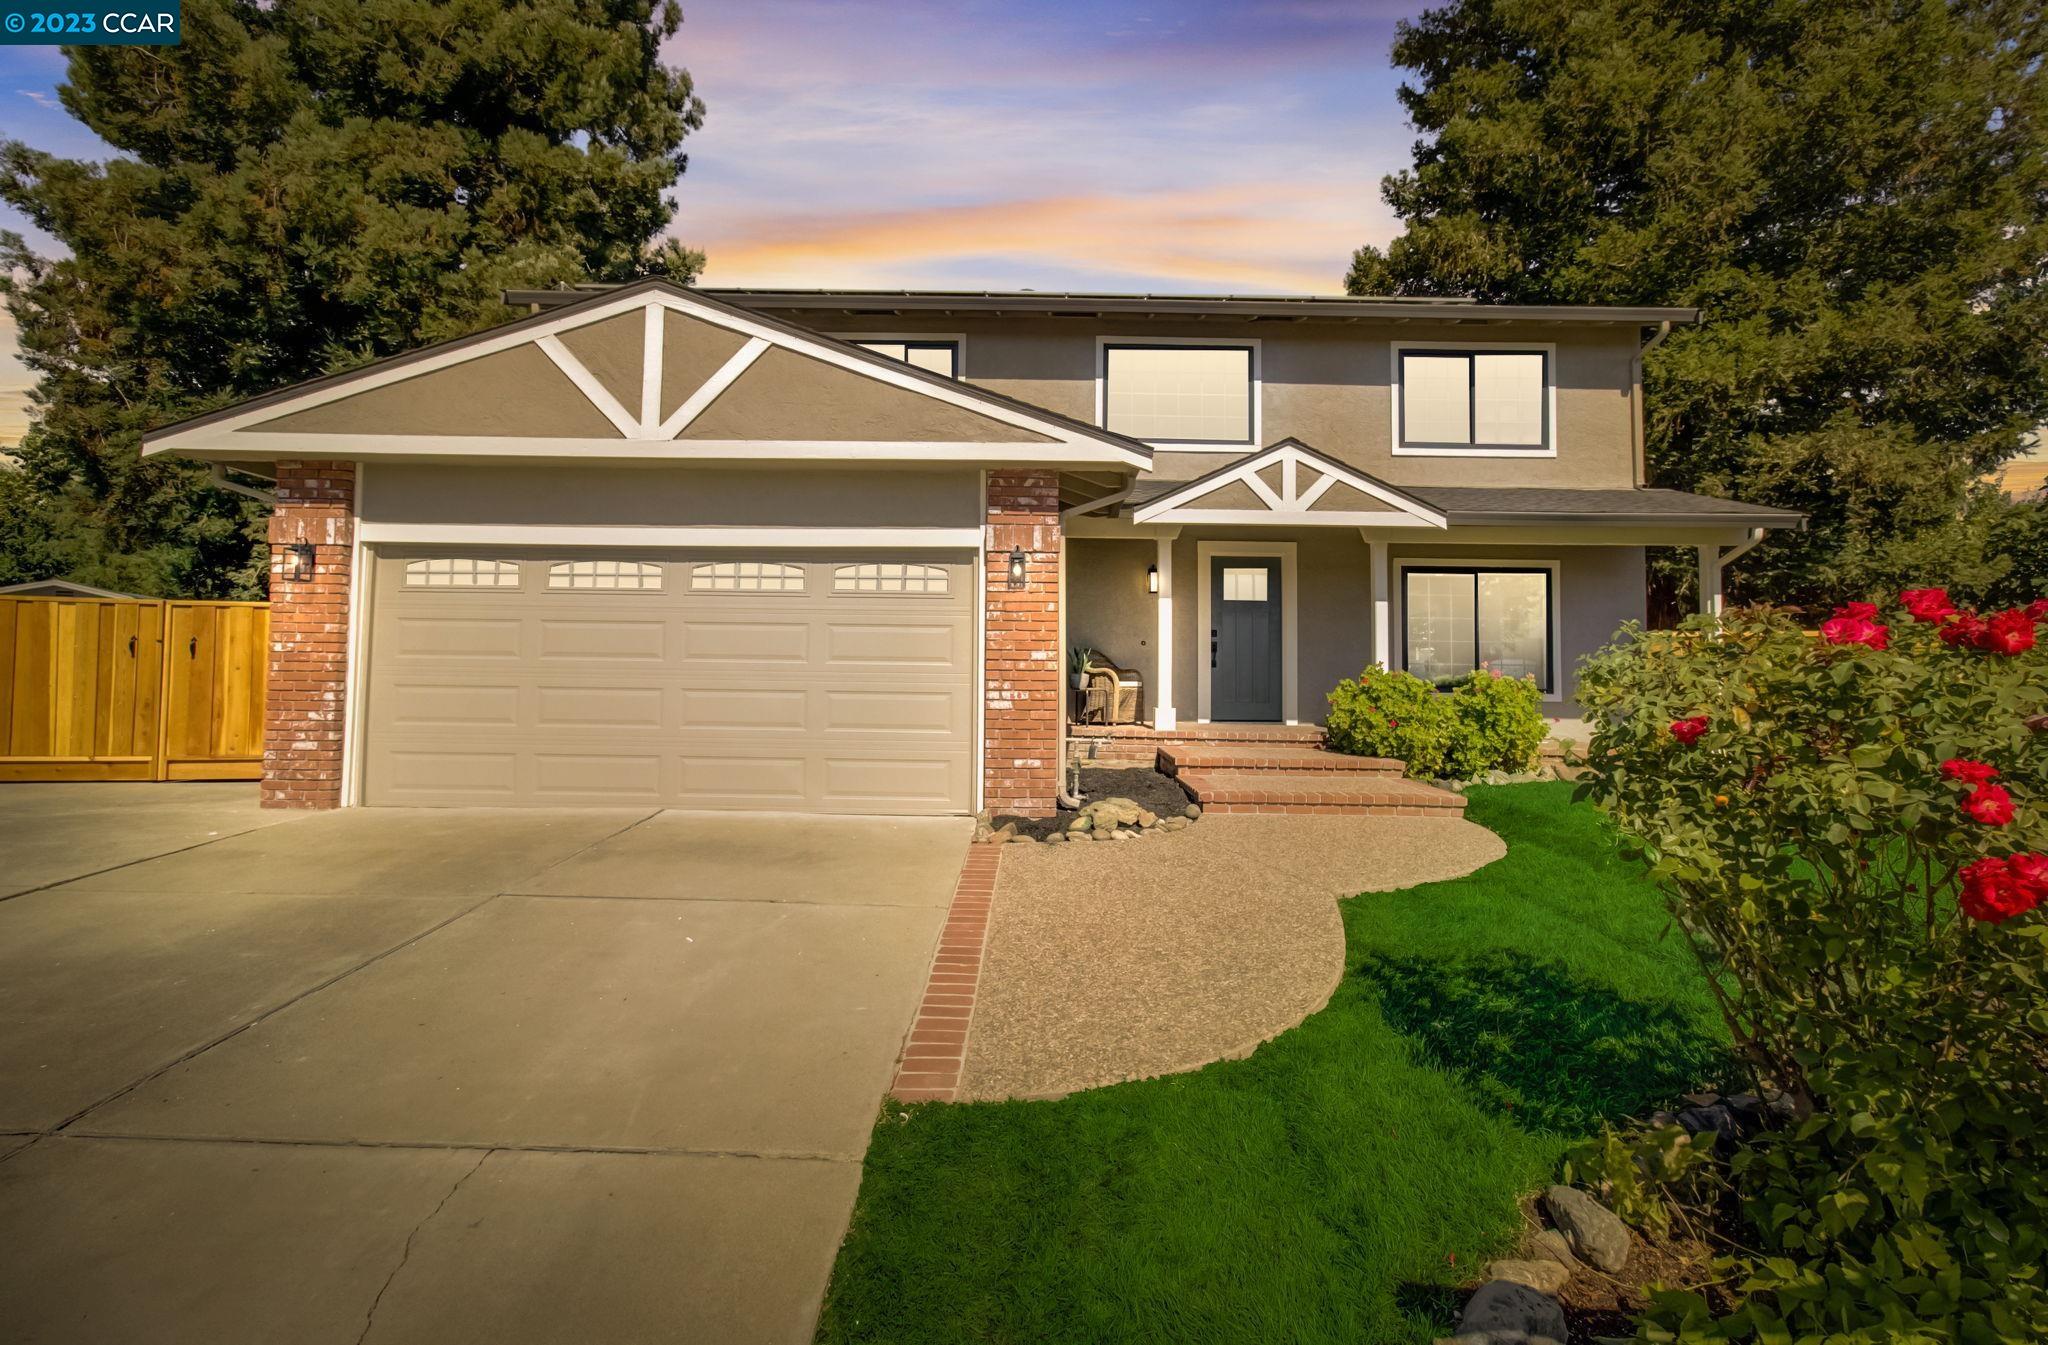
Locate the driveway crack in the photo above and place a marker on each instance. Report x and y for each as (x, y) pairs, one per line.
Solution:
(370, 1318)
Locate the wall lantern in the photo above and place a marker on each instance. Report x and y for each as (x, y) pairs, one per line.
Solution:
(1016, 567)
(1151, 578)
(302, 562)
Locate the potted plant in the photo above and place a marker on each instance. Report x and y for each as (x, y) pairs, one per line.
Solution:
(1077, 666)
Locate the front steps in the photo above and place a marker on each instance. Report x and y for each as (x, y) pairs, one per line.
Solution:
(1295, 778)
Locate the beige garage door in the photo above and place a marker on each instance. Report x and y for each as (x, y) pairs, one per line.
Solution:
(840, 683)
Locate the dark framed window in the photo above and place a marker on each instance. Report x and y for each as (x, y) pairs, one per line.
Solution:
(1474, 401)
(940, 357)
(1457, 619)
(1178, 394)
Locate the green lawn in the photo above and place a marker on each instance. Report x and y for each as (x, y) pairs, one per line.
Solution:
(1337, 1183)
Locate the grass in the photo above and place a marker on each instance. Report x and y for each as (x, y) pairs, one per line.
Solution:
(1336, 1185)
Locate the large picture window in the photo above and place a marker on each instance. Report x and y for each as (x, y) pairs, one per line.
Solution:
(1178, 394)
(1462, 618)
(1473, 401)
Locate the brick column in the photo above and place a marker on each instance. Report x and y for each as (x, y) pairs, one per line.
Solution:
(1021, 659)
(303, 717)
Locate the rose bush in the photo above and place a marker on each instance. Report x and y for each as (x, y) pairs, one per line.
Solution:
(1852, 835)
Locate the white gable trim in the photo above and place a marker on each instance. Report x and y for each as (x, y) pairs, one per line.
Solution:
(1290, 504)
(237, 435)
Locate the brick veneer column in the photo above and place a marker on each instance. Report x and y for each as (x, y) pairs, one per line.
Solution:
(1021, 655)
(303, 717)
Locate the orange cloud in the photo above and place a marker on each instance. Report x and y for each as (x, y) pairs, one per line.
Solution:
(1255, 237)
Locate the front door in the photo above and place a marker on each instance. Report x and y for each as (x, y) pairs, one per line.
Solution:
(1244, 638)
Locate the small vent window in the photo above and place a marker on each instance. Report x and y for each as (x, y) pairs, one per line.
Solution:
(889, 577)
(606, 576)
(461, 572)
(746, 576)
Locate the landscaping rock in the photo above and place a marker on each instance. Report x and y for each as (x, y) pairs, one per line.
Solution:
(1550, 1245)
(1106, 834)
(1147, 819)
(1174, 824)
(1005, 833)
(1082, 823)
(1545, 1277)
(1192, 812)
(1118, 812)
(1505, 1313)
(1595, 1232)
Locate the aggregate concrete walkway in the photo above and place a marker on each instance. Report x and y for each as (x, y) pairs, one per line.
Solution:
(440, 1076)
(1157, 955)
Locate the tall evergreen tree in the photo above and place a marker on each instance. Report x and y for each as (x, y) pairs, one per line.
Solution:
(304, 187)
(1852, 194)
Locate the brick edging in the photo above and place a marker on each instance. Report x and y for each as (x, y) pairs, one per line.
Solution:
(933, 1055)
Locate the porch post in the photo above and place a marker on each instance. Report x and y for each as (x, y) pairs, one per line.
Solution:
(1382, 616)
(1163, 716)
(1710, 581)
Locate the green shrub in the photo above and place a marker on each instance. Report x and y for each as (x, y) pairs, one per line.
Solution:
(1391, 714)
(1864, 901)
(1484, 722)
(1498, 725)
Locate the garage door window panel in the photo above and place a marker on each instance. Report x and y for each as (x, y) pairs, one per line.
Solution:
(468, 572)
(605, 576)
(895, 577)
(746, 576)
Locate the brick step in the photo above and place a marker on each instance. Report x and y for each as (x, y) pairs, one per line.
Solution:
(1271, 757)
(1227, 791)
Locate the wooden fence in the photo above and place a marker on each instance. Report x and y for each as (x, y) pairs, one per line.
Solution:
(131, 689)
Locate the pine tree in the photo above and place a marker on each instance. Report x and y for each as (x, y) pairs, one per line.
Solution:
(1853, 196)
(302, 188)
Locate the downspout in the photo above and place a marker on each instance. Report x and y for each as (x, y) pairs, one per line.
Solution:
(1638, 433)
(1061, 797)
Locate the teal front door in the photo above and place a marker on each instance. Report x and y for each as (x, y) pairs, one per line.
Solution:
(1244, 638)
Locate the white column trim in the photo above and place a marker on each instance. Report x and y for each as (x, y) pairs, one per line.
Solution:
(1711, 600)
(1164, 715)
(1290, 627)
(354, 675)
(1382, 606)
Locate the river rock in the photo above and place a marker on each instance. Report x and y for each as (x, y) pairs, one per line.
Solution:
(1504, 1313)
(1544, 1276)
(1595, 1232)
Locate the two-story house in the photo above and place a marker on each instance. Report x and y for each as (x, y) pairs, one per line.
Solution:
(826, 551)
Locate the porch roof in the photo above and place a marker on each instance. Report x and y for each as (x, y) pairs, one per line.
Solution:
(1502, 505)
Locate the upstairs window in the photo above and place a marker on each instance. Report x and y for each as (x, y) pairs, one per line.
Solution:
(940, 357)
(1472, 401)
(1173, 394)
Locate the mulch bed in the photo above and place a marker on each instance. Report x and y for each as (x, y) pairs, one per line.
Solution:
(1161, 794)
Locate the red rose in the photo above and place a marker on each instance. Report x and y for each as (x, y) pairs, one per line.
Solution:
(1994, 892)
(1965, 629)
(1927, 604)
(2008, 633)
(1989, 804)
(1689, 731)
(1858, 611)
(2031, 873)
(1848, 628)
(1969, 772)
(2037, 609)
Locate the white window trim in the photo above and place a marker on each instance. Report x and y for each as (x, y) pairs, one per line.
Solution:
(548, 584)
(1549, 350)
(958, 339)
(1398, 636)
(1290, 627)
(1258, 390)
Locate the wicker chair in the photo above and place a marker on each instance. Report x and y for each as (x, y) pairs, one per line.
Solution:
(1116, 695)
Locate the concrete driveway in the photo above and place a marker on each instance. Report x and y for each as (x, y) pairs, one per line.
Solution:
(442, 1076)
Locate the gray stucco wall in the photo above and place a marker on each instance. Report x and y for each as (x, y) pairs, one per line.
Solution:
(1327, 384)
(671, 496)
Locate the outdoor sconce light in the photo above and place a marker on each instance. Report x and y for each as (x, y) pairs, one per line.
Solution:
(1016, 567)
(1151, 578)
(302, 562)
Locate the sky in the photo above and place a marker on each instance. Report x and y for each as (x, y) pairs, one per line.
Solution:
(1217, 146)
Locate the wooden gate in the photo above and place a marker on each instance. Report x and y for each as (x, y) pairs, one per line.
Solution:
(131, 689)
